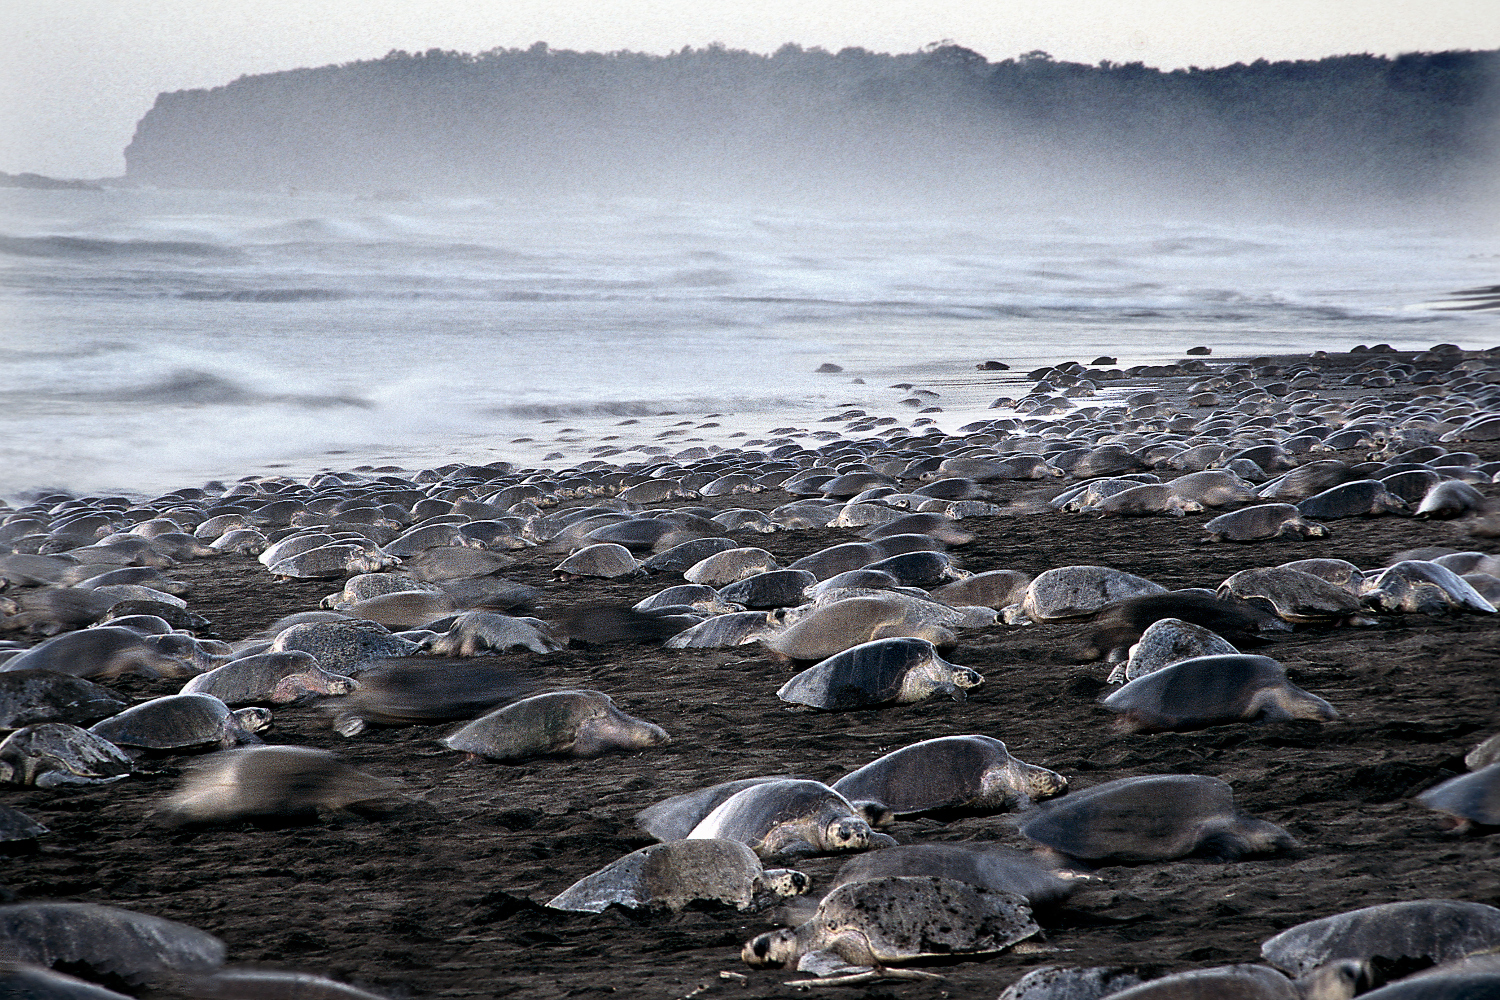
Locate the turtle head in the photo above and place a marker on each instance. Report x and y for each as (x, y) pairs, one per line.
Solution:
(1336, 980)
(877, 814)
(846, 833)
(773, 948)
(786, 881)
(966, 678)
(254, 719)
(1020, 782)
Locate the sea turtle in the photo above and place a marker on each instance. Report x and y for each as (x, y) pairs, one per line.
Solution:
(442, 563)
(1153, 817)
(1361, 498)
(346, 646)
(843, 624)
(1292, 595)
(283, 781)
(474, 633)
(1339, 981)
(984, 866)
(686, 554)
(603, 559)
(402, 609)
(1449, 499)
(1052, 982)
(837, 559)
(672, 875)
(568, 723)
(790, 816)
(182, 722)
(861, 927)
(778, 588)
(883, 672)
(674, 818)
(107, 940)
(1144, 500)
(17, 827)
(1262, 522)
(1169, 641)
(1213, 488)
(332, 560)
(32, 696)
(951, 772)
(693, 595)
(1212, 690)
(277, 678)
(23, 981)
(53, 754)
(1339, 572)
(1076, 592)
(1415, 585)
(921, 568)
(1414, 932)
(266, 984)
(105, 652)
(997, 588)
(1468, 800)
(723, 631)
(1117, 627)
(729, 566)
(1485, 754)
(404, 693)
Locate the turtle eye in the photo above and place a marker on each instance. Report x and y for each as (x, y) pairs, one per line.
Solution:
(761, 946)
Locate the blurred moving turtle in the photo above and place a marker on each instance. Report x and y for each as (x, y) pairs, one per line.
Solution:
(1118, 626)
(997, 588)
(109, 651)
(883, 672)
(31, 696)
(260, 984)
(1361, 498)
(475, 633)
(1263, 522)
(1415, 585)
(183, 722)
(53, 754)
(282, 781)
(1339, 981)
(1211, 690)
(568, 723)
(790, 816)
(399, 693)
(861, 927)
(1468, 800)
(951, 772)
(1420, 931)
(277, 678)
(672, 875)
(106, 940)
(986, 867)
(844, 624)
(1153, 817)
(1449, 499)
(723, 631)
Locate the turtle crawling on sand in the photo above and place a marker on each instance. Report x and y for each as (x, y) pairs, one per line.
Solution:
(861, 927)
(790, 816)
(951, 772)
(672, 875)
(570, 723)
(883, 672)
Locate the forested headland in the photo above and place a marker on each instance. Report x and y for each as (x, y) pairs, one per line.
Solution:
(720, 122)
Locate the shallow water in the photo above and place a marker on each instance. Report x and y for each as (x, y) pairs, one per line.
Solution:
(154, 339)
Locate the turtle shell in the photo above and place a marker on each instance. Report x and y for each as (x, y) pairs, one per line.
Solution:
(869, 675)
(1423, 930)
(177, 722)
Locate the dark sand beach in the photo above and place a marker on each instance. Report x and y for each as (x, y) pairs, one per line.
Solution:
(444, 898)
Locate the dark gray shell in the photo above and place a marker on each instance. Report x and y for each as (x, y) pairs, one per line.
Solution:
(838, 559)
(1155, 817)
(1293, 595)
(17, 826)
(1468, 798)
(1211, 690)
(919, 569)
(1415, 585)
(273, 781)
(107, 651)
(426, 691)
(1434, 930)
(987, 867)
(780, 588)
(110, 941)
(1361, 498)
(271, 984)
(31, 696)
(574, 723)
(682, 556)
(1449, 499)
(50, 754)
(672, 875)
(674, 818)
(883, 672)
(951, 772)
(442, 563)
(331, 561)
(182, 721)
(694, 595)
(1241, 982)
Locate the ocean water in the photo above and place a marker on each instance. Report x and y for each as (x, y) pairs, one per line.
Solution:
(155, 339)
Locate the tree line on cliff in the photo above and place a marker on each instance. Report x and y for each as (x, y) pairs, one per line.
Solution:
(721, 120)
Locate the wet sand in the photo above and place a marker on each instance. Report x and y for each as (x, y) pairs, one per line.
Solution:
(444, 899)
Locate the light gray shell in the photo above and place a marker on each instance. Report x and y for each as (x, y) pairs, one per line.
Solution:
(1054, 983)
(112, 941)
(672, 875)
(843, 624)
(603, 559)
(1211, 690)
(950, 772)
(1168, 641)
(788, 815)
(1468, 798)
(1262, 522)
(474, 633)
(722, 631)
(274, 678)
(984, 866)
(1293, 595)
(574, 723)
(343, 647)
(182, 721)
(674, 818)
(1438, 930)
(1417, 586)
(730, 566)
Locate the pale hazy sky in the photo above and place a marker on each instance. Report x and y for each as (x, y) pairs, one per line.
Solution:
(78, 74)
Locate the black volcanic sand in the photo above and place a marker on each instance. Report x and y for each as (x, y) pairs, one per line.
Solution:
(443, 899)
